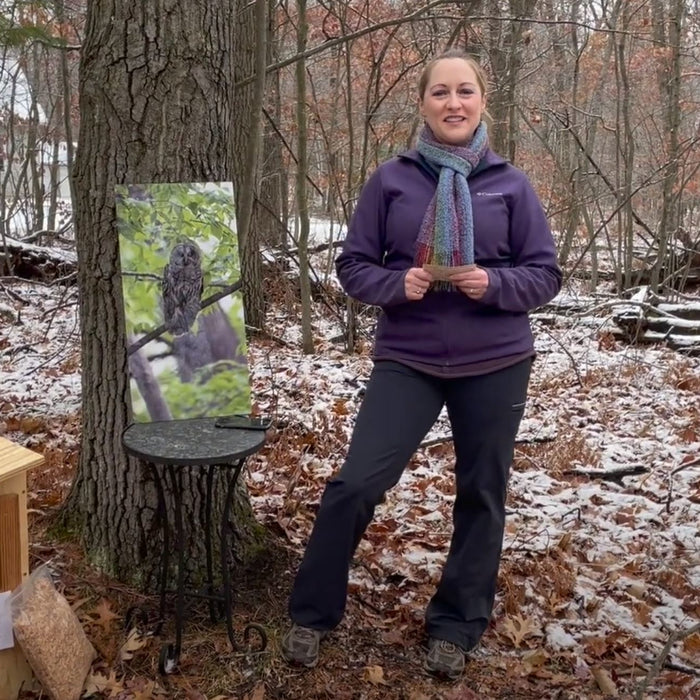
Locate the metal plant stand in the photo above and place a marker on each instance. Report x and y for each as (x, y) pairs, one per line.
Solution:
(169, 448)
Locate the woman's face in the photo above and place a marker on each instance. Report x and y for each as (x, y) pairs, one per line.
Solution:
(453, 102)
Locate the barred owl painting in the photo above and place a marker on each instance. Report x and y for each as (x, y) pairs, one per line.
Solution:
(182, 288)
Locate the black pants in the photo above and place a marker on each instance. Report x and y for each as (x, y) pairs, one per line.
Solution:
(399, 408)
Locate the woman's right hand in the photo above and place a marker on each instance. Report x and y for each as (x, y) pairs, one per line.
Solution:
(416, 283)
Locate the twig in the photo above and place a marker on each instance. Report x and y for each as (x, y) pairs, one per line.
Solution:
(692, 463)
(676, 636)
(567, 353)
(673, 666)
(435, 441)
(576, 511)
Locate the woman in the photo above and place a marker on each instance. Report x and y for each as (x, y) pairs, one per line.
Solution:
(456, 335)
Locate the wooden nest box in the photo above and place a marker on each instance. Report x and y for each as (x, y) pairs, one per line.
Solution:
(15, 461)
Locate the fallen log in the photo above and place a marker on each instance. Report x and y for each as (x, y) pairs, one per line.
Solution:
(33, 262)
(646, 319)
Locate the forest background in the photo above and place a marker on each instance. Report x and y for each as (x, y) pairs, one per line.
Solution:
(296, 103)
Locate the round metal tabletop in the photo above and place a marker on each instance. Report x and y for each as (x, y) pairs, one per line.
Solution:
(190, 441)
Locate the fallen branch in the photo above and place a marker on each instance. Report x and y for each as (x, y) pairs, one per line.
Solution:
(676, 636)
(686, 465)
(615, 475)
(518, 441)
(674, 666)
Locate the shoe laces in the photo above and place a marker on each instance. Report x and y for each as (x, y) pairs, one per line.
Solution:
(305, 633)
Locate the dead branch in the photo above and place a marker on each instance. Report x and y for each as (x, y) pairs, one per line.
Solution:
(518, 441)
(674, 666)
(435, 441)
(676, 636)
(615, 475)
(686, 465)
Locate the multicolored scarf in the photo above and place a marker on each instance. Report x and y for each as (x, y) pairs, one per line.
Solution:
(446, 235)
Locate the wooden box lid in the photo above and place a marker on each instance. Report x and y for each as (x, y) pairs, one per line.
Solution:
(15, 459)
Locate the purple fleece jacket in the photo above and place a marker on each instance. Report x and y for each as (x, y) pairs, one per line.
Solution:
(512, 241)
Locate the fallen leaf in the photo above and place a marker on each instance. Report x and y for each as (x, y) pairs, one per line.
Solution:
(146, 692)
(604, 681)
(637, 589)
(393, 637)
(418, 695)
(99, 683)
(31, 425)
(691, 645)
(596, 646)
(105, 615)
(133, 643)
(461, 692)
(641, 613)
(565, 542)
(375, 675)
(534, 659)
(258, 693)
(517, 628)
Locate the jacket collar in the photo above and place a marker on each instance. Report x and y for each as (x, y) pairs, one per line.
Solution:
(489, 160)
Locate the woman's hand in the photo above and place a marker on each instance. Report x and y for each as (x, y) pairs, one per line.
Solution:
(473, 283)
(416, 283)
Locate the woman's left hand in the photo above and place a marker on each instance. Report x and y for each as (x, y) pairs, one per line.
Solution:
(473, 283)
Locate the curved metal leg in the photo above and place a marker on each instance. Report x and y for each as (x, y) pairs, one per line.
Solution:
(172, 653)
(213, 613)
(164, 523)
(168, 659)
(226, 543)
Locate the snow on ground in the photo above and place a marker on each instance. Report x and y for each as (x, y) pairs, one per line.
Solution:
(594, 569)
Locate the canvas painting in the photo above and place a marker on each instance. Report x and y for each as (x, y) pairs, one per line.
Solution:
(184, 318)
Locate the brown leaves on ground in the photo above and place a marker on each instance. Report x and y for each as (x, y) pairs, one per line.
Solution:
(588, 572)
(103, 615)
(518, 628)
(375, 675)
(132, 644)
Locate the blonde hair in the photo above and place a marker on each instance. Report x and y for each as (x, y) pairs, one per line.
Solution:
(452, 53)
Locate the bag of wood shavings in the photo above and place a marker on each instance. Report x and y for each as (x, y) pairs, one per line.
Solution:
(51, 636)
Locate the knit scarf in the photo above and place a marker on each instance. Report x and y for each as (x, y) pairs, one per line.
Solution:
(446, 235)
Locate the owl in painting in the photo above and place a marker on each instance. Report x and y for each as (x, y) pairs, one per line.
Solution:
(182, 287)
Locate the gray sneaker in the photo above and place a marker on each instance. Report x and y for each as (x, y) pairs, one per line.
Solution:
(300, 645)
(444, 659)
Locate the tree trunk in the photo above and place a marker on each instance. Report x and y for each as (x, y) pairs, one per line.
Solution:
(302, 173)
(248, 234)
(156, 106)
(271, 213)
(669, 82)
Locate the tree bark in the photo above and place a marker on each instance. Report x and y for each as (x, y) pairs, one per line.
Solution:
(302, 173)
(669, 84)
(248, 234)
(156, 105)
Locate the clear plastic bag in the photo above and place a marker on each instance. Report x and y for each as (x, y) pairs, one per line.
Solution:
(51, 636)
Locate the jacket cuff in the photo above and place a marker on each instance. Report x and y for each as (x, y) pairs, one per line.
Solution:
(494, 289)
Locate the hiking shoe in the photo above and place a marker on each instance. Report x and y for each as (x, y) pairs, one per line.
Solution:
(444, 659)
(300, 646)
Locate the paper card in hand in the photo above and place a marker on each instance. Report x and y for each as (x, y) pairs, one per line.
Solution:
(442, 273)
